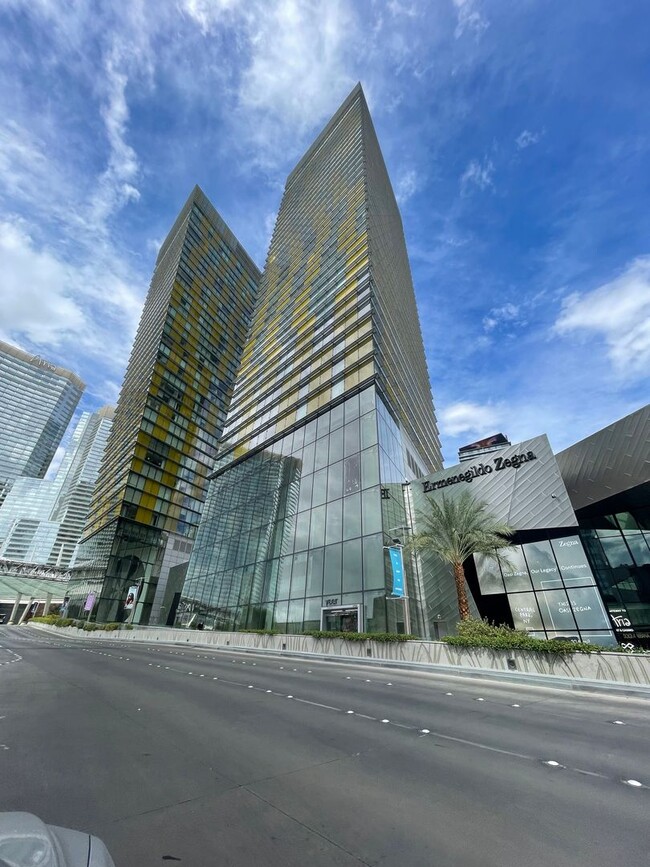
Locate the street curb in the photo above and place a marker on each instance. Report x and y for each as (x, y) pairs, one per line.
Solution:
(523, 678)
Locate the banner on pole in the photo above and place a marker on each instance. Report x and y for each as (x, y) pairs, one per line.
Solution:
(397, 563)
(131, 597)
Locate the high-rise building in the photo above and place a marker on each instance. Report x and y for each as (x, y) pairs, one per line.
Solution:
(37, 400)
(170, 415)
(41, 520)
(332, 409)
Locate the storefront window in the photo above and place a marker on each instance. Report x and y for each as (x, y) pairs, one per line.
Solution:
(617, 552)
(588, 608)
(489, 575)
(524, 610)
(556, 611)
(375, 614)
(312, 613)
(638, 545)
(542, 566)
(572, 561)
(515, 570)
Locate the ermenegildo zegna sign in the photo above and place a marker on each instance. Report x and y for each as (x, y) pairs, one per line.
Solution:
(481, 470)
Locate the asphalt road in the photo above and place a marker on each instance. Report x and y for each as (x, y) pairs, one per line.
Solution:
(205, 758)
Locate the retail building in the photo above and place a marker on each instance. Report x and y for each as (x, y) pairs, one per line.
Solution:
(580, 562)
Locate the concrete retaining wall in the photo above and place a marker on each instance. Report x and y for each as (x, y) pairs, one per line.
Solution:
(604, 667)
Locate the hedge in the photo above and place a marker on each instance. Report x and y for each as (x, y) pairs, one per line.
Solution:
(480, 633)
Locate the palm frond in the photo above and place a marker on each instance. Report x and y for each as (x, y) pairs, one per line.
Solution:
(456, 527)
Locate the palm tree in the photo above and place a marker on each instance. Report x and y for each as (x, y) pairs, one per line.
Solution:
(456, 527)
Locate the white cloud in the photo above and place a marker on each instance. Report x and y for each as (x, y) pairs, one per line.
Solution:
(507, 313)
(617, 312)
(115, 187)
(467, 417)
(298, 67)
(35, 295)
(52, 302)
(407, 184)
(470, 19)
(526, 138)
(297, 58)
(478, 174)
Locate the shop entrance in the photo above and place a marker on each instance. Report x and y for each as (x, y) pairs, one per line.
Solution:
(341, 618)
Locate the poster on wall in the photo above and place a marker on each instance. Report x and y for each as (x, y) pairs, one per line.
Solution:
(131, 597)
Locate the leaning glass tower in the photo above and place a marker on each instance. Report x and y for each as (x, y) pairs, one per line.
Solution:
(331, 412)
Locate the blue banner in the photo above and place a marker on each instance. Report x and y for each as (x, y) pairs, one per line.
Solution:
(397, 563)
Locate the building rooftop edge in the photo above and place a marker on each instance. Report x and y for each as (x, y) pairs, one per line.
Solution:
(356, 91)
(199, 197)
(41, 363)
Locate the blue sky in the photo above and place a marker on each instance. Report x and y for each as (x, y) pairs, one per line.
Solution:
(517, 137)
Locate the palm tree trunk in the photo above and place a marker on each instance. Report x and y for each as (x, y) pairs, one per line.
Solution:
(461, 590)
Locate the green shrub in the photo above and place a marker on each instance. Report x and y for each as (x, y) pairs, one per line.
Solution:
(91, 627)
(261, 631)
(111, 627)
(480, 633)
(128, 626)
(50, 619)
(361, 636)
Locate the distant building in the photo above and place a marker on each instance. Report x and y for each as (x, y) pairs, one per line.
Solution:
(332, 409)
(41, 520)
(483, 447)
(169, 418)
(37, 401)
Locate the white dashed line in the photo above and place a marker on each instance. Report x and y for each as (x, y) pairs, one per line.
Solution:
(634, 783)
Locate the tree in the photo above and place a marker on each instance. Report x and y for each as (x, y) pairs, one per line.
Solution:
(456, 527)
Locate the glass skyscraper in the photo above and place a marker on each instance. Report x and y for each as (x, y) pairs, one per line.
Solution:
(41, 520)
(169, 418)
(331, 413)
(37, 400)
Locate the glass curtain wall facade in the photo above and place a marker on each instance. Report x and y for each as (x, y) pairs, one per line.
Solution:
(332, 406)
(41, 520)
(170, 415)
(37, 401)
(551, 590)
(618, 545)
